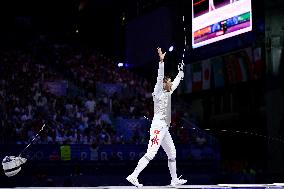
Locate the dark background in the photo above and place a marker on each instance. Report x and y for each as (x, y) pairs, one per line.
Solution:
(129, 31)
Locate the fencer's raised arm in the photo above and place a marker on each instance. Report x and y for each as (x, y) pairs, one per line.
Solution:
(179, 77)
(159, 84)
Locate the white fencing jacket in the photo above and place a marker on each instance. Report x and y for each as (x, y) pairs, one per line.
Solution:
(162, 98)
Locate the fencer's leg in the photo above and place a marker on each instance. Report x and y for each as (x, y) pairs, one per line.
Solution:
(156, 137)
(169, 147)
(142, 163)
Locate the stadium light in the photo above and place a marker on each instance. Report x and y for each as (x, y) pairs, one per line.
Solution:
(120, 64)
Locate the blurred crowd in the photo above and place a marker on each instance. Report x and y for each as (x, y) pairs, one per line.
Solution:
(85, 117)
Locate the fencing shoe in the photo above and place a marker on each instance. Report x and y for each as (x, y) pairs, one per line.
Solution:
(177, 182)
(133, 180)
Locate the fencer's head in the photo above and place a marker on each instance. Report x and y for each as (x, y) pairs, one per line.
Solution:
(167, 83)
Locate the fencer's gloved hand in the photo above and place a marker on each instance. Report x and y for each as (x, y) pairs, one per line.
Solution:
(180, 69)
(180, 66)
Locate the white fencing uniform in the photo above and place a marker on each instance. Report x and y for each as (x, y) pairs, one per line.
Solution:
(159, 131)
(162, 117)
(211, 5)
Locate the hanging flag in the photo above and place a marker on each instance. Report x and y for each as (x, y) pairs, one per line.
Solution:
(236, 67)
(243, 65)
(218, 71)
(249, 62)
(259, 66)
(244, 57)
(230, 69)
(206, 74)
(196, 77)
(243, 69)
(188, 79)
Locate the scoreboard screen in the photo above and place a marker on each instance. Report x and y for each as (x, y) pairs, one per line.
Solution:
(215, 20)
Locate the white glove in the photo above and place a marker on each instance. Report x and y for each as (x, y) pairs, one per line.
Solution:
(180, 66)
(180, 70)
(181, 74)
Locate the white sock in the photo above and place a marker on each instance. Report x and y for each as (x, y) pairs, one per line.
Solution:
(173, 168)
(142, 163)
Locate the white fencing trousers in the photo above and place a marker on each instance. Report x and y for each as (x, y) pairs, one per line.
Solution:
(211, 5)
(159, 136)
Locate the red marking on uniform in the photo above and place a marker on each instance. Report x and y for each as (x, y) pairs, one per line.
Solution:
(155, 140)
(157, 132)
